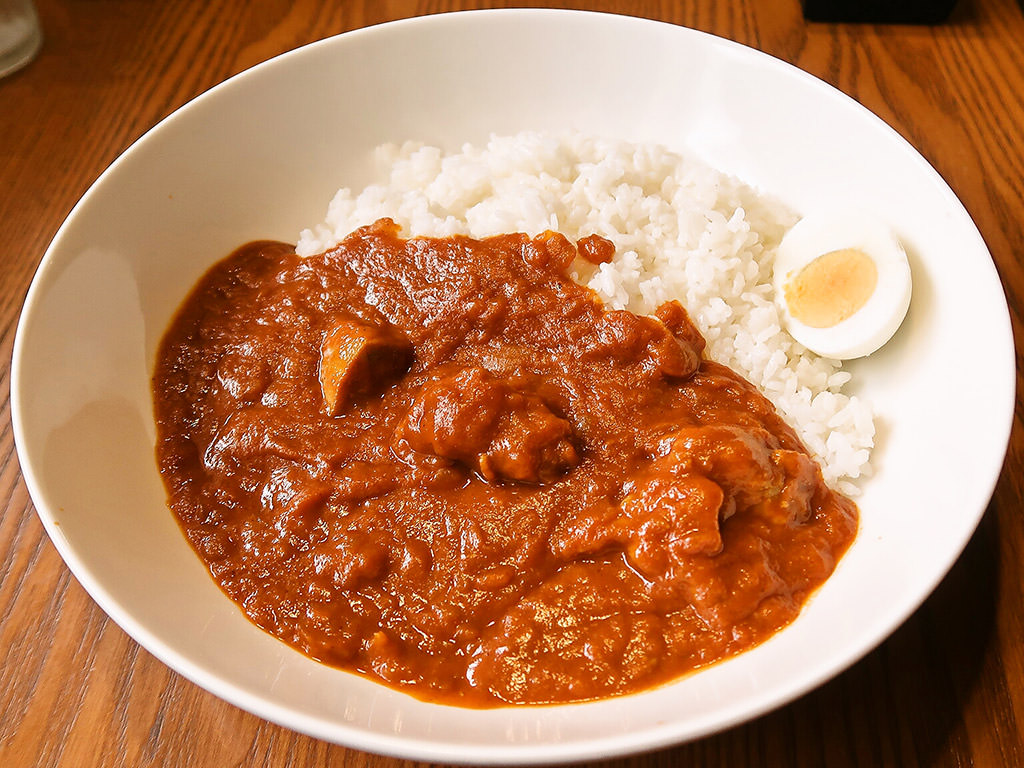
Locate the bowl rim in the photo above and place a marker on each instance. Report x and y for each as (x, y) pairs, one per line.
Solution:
(516, 753)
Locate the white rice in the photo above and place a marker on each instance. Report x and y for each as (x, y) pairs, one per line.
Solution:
(681, 230)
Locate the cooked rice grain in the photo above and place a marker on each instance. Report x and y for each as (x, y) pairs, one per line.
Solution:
(681, 230)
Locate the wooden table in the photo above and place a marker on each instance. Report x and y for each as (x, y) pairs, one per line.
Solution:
(946, 689)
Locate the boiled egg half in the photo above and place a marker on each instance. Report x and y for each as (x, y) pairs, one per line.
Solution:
(842, 281)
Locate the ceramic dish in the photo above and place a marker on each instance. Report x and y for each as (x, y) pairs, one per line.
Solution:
(260, 155)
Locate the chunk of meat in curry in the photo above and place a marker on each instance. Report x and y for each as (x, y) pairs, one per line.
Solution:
(443, 464)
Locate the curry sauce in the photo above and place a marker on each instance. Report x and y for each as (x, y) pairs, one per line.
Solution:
(443, 464)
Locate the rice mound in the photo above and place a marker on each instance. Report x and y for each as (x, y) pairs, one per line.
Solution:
(681, 230)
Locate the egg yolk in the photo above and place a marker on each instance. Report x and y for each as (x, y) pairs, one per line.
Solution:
(832, 287)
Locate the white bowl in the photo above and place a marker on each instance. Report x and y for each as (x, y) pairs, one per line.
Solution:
(259, 157)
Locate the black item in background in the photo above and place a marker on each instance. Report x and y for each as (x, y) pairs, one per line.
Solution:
(879, 11)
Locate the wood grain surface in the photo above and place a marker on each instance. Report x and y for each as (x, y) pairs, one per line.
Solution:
(947, 689)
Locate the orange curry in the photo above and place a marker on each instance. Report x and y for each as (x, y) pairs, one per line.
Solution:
(443, 464)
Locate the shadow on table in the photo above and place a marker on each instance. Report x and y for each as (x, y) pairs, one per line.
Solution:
(900, 705)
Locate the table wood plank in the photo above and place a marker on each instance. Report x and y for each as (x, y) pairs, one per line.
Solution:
(946, 689)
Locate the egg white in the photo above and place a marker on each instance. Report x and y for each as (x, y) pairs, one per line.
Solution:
(877, 320)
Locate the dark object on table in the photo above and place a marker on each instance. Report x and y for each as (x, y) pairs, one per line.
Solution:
(879, 11)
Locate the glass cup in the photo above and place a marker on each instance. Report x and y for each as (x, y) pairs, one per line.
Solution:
(20, 36)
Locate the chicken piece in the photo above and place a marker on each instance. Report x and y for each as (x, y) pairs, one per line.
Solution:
(677, 320)
(358, 359)
(736, 458)
(643, 342)
(505, 434)
(672, 510)
(530, 445)
(672, 517)
(664, 519)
